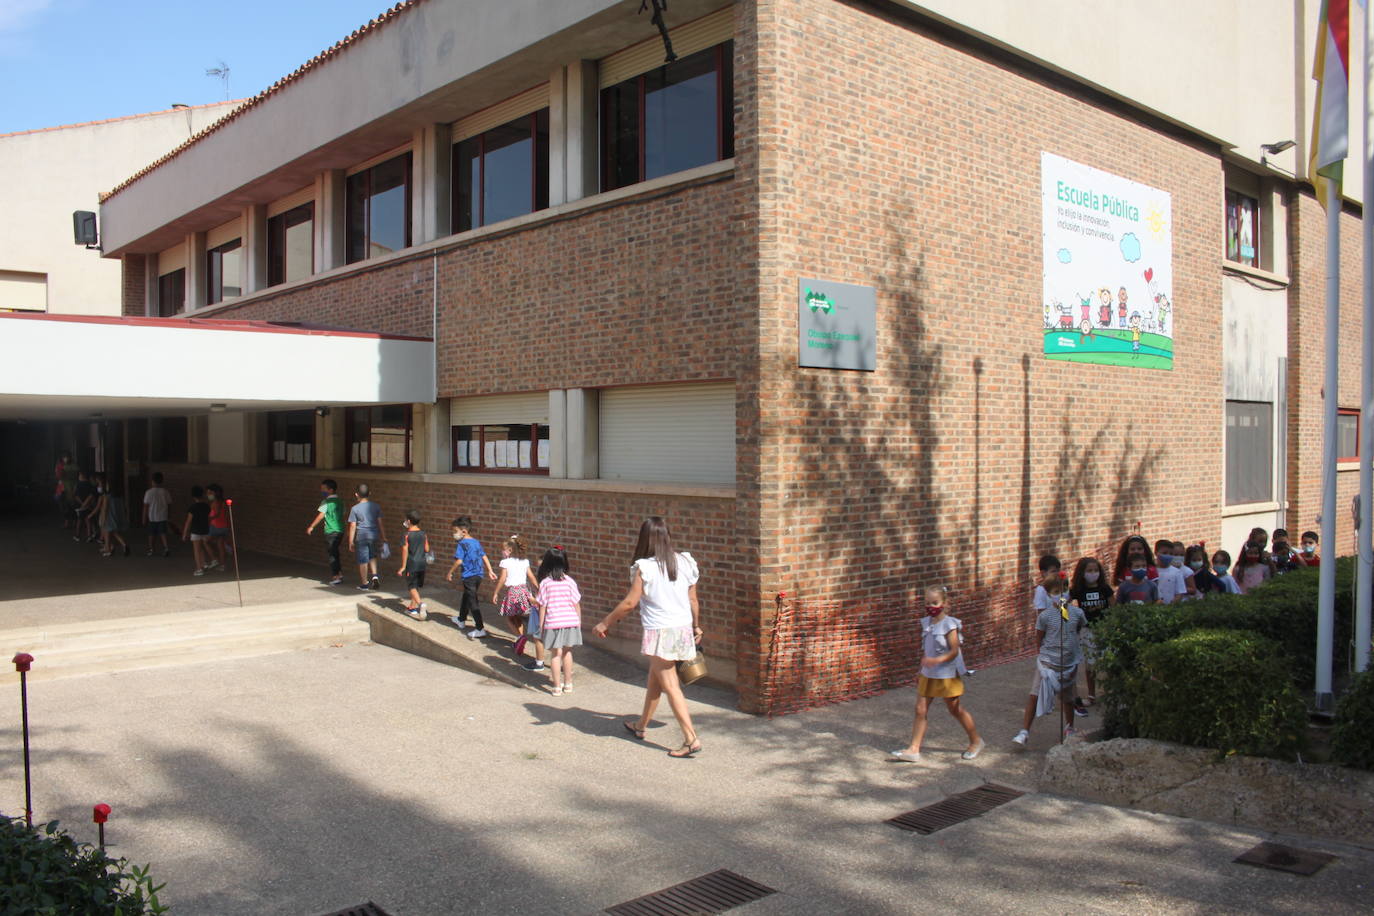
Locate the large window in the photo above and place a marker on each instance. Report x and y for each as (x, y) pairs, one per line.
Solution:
(1348, 434)
(292, 437)
(291, 245)
(521, 448)
(1242, 228)
(379, 437)
(675, 117)
(223, 267)
(171, 293)
(501, 173)
(377, 209)
(1249, 452)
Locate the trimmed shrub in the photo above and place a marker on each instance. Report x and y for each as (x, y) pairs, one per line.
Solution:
(1352, 738)
(1226, 689)
(44, 871)
(1121, 636)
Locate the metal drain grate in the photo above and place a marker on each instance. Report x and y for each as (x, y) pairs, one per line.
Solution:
(362, 909)
(713, 893)
(955, 809)
(1303, 862)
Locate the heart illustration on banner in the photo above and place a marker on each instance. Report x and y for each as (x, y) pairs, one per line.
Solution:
(1149, 274)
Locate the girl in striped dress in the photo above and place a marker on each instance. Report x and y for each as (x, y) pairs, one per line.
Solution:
(560, 606)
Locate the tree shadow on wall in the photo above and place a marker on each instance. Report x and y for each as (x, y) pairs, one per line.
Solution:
(901, 482)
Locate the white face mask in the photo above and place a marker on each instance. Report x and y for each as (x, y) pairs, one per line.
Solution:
(1092, 577)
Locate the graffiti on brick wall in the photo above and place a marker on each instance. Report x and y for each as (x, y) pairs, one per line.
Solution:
(1108, 267)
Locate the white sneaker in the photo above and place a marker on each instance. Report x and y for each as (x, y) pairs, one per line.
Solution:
(903, 755)
(476, 634)
(457, 621)
(424, 611)
(199, 572)
(1021, 737)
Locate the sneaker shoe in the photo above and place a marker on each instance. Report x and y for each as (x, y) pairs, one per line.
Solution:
(413, 612)
(557, 691)
(77, 539)
(905, 757)
(457, 621)
(376, 582)
(974, 751)
(213, 564)
(476, 634)
(1070, 732)
(535, 666)
(424, 611)
(1079, 711)
(1021, 737)
(363, 588)
(199, 572)
(150, 551)
(567, 688)
(337, 580)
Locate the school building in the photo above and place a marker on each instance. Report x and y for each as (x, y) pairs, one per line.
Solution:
(859, 294)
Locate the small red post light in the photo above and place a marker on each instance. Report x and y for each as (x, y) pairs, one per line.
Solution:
(229, 502)
(22, 662)
(102, 813)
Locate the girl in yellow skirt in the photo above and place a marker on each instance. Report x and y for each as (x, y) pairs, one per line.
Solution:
(942, 665)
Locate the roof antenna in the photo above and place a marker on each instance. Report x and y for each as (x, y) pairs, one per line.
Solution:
(222, 72)
(657, 19)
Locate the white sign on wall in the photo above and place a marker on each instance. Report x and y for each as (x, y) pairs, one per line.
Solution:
(1108, 267)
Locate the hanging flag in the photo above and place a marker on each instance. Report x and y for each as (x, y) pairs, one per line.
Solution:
(1331, 117)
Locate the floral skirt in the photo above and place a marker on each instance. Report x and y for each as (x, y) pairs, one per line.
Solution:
(517, 602)
(676, 644)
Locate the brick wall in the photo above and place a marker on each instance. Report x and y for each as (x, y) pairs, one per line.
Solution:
(1307, 364)
(133, 295)
(888, 156)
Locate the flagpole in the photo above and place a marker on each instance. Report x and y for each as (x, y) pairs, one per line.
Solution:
(1326, 594)
(1364, 581)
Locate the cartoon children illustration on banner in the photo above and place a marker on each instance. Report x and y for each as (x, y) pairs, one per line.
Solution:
(1101, 233)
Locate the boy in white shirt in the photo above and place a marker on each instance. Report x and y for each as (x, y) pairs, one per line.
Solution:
(157, 500)
(1170, 579)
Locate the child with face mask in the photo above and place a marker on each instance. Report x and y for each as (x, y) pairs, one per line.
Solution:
(1309, 549)
(1252, 568)
(942, 670)
(1286, 559)
(1133, 548)
(1091, 594)
(1221, 568)
(1195, 559)
(1137, 588)
(1169, 577)
(1057, 629)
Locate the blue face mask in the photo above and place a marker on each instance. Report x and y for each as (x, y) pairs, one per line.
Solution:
(1137, 574)
(1177, 561)
(1163, 559)
(1220, 568)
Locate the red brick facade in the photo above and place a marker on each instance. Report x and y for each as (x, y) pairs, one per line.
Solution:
(871, 148)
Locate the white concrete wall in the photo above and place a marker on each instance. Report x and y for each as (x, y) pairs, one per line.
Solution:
(1235, 70)
(50, 173)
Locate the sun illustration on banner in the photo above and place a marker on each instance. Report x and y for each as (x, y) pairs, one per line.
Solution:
(819, 302)
(1155, 220)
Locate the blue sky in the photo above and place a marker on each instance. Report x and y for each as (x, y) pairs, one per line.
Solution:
(67, 61)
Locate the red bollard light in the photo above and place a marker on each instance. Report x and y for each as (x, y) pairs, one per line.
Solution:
(229, 502)
(23, 661)
(101, 814)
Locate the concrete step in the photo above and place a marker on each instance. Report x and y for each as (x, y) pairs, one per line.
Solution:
(439, 640)
(160, 640)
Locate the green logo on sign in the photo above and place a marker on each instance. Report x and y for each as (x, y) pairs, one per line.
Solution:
(819, 302)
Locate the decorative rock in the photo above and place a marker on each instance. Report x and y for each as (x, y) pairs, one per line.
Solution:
(1315, 799)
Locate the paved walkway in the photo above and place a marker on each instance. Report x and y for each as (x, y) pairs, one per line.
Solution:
(306, 782)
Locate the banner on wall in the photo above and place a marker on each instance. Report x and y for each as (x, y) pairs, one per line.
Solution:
(1108, 256)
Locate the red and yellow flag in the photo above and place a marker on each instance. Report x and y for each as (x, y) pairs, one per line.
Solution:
(1331, 116)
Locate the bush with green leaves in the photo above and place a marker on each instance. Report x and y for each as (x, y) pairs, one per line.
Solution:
(1352, 738)
(1225, 689)
(45, 872)
(1121, 635)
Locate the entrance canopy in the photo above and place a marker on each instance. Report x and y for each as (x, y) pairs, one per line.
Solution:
(78, 366)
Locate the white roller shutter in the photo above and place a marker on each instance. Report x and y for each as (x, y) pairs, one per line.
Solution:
(688, 38)
(683, 433)
(531, 407)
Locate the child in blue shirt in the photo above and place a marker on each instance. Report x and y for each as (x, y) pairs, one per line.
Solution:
(472, 559)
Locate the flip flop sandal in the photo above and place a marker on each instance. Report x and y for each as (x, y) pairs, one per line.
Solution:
(686, 752)
(638, 733)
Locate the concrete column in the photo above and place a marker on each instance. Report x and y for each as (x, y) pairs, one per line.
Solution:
(580, 131)
(431, 166)
(196, 290)
(432, 441)
(330, 227)
(558, 433)
(254, 248)
(197, 439)
(257, 438)
(584, 436)
(150, 284)
(329, 441)
(558, 138)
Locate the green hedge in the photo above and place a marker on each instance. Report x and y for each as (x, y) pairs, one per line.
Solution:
(43, 871)
(1352, 739)
(1226, 689)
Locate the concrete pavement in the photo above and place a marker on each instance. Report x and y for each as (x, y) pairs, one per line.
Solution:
(302, 783)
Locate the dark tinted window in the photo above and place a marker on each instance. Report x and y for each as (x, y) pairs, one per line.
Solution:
(377, 209)
(502, 173)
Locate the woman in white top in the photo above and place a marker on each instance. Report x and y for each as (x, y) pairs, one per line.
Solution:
(663, 585)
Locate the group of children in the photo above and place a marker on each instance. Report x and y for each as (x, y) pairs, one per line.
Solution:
(1067, 607)
(543, 607)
